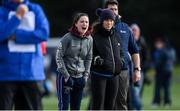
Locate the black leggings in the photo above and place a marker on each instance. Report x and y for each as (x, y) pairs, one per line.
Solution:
(104, 92)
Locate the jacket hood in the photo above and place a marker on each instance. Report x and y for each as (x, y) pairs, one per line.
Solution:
(12, 6)
(73, 30)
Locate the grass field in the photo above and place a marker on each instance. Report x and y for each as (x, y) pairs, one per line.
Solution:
(50, 103)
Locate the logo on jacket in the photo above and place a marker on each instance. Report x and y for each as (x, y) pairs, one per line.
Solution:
(122, 31)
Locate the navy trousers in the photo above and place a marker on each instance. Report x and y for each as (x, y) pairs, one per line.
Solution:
(162, 81)
(68, 96)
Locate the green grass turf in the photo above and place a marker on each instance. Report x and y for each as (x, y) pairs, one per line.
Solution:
(50, 103)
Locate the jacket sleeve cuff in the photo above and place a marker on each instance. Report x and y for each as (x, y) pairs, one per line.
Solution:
(86, 74)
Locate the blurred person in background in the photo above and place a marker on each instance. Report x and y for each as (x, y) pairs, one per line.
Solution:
(24, 27)
(136, 88)
(129, 46)
(164, 57)
(73, 59)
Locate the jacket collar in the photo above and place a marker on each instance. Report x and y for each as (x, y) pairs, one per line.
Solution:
(105, 32)
(73, 30)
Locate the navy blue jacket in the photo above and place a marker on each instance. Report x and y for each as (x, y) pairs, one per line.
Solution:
(164, 59)
(128, 41)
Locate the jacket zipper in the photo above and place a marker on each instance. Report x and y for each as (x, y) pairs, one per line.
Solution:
(79, 56)
(112, 55)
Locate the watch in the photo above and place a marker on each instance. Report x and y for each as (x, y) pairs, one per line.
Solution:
(137, 68)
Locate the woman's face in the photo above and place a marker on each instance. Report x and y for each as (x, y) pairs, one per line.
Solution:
(82, 24)
(159, 44)
(108, 24)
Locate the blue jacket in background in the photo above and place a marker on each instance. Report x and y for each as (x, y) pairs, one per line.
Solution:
(164, 59)
(128, 41)
(25, 64)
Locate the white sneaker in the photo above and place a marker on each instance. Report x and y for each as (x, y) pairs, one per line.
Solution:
(154, 106)
(167, 106)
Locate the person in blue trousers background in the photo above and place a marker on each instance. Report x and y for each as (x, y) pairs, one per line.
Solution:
(136, 102)
(164, 57)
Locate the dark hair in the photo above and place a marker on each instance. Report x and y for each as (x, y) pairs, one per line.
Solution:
(111, 2)
(78, 16)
